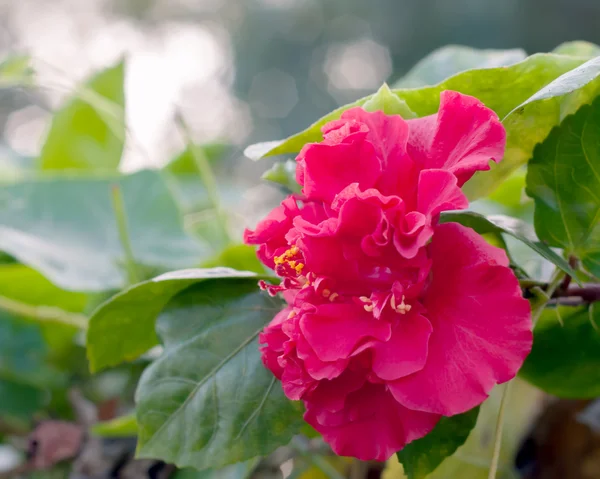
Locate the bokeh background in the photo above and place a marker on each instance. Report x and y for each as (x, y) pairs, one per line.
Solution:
(241, 71)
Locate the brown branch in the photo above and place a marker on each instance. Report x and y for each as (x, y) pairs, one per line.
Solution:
(588, 293)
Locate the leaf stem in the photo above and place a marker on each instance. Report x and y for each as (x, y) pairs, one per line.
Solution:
(43, 313)
(498, 435)
(121, 217)
(206, 176)
(536, 311)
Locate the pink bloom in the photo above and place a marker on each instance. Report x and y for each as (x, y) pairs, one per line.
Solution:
(392, 320)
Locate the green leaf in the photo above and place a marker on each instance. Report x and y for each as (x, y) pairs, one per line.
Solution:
(184, 163)
(565, 359)
(240, 257)
(24, 372)
(20, 400)
(88, 132)
(578, 48)
(240, 470)
(208, 401)
(16, 70)
(124, 426)
(424, 455)
(451, 59)
(570, 81)
(502, 89)
(122, 328)
(564, 180)
(514, 227)
(283, 173)
(26, 285)
(65, 228)
(27, 293)
(385, 100)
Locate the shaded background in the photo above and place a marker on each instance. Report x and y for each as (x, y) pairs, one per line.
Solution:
(242, 71)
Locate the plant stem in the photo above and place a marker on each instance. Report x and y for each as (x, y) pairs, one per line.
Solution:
(498, 435)
(43, 313)
(121, 217)
(538, 308)
(206, 176)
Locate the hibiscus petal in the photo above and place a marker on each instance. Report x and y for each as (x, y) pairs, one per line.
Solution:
(272, 340)
(406, 350)
(462, 137)
(335, 330)
(388, 134)
(481, 325)
(372, 425)
(439, 191)
(325, 170)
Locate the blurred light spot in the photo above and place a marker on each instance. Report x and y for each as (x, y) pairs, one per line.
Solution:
(25, 129)
(359, 65)
(183, 57)
(273, 94)
(9, 458)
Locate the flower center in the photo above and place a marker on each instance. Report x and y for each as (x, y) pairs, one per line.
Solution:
(289, 262)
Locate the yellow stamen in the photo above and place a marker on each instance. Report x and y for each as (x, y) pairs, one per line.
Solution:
(326, 293)
(333, 296)
(364, 299)
(393, 302)
(369, 307)
(292, 314)
(403, 308)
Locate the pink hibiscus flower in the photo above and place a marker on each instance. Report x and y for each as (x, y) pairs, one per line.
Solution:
(392, 320)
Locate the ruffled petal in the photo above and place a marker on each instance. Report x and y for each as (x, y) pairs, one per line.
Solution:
(388, 134)
(481, 325)
(406, 350)
(371, 426)
(462, 137)
(325, 170)
(272, 341)
(334, 331)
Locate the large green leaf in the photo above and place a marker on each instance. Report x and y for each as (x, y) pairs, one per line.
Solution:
(21, 283)
(567, 83)
(24, 372)
(502, 89)
(514, 227)
(565, 359)
(65, 228)
(122, 328)
(240, 470)
(424, 455)
(451, 59)
(88, 132)
(578, 48)
(27, 293)
(208, 401)
(564, 180)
